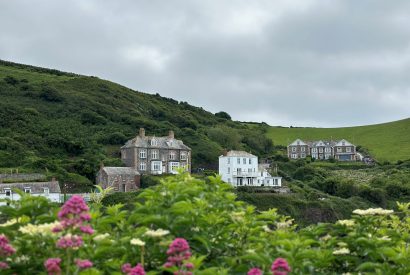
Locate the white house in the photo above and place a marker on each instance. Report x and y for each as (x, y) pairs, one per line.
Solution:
(240, 168)
(50, 190)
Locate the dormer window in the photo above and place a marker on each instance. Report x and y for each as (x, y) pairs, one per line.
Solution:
(343, 143)
(154, 142)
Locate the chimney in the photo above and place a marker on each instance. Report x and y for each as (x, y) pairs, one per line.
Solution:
(225, 152)
(53, 179)
(101, 165)
(171, 134)
(142, 132)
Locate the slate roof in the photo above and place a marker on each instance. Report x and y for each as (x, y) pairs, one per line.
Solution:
(35, 187)
(162, 143)
(120, 171)
(239, 154)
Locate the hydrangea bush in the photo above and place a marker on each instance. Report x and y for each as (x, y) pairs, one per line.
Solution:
(189, 226)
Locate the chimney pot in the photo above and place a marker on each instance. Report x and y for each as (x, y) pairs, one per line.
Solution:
(171, 134)
(142, 132)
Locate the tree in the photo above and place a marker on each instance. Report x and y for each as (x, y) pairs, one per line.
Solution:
(223, 115)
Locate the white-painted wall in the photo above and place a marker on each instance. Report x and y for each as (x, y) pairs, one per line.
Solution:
(250, 175)
(54, 197)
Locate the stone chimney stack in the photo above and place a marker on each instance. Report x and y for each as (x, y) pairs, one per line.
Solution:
(53, 179)
(142, 132)
(171, 134)
(225, 152)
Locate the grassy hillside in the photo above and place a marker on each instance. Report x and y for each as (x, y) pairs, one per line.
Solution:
(65, 124)
(385, 142)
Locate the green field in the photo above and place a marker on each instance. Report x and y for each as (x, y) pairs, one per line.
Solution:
(386, 142)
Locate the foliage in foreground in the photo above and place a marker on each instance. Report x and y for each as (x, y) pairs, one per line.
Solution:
(225, 236)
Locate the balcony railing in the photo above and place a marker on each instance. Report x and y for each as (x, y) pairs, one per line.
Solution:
(244, 174)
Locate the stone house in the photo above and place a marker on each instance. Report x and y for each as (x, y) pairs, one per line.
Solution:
(340, 150)
(50, 190)
(122, 179)
(156, 155)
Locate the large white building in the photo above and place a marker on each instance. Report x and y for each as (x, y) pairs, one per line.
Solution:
(240, 168)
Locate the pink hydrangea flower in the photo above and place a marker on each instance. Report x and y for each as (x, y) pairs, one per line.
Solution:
(53, 266)
(74, 213)
(87, 229)
(70, 241)
(255, 271)
(83, 264)
(4, 265)
(5, 248)
(280, 267)
(136, 270)
(178, 252)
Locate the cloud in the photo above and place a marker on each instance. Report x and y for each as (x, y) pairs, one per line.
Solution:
(301, 63)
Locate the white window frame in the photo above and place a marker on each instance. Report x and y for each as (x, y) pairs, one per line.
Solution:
(9, 191)
(314, 150)
(229, 170)
(250, 161)
(294, 156)
(302, 149)
(303, 155)
(328, 150)
(154, 142)
(143, 166)
(46, 191)
(172, 155)
(183, 155)
(143, 153)
(239, 160)
(348, 150)
(229, 160)
(27, 189)
(154, 154)
(244, 160)
(339, 149)
(293, 149)
(320, 150)
(173, 166)
(156, 166)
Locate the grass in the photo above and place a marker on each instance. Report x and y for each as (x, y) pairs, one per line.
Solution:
(385, 142)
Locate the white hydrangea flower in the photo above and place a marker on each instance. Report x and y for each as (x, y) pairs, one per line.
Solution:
(348, 223)
(341, 251)
(372, 212)
(8, 223)
(157, 233)
(137, 242)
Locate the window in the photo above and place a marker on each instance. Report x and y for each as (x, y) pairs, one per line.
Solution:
(154, 142)
(250, 161)
(314, 150)
(229, 180)
(339, 149)
(327, 150)
(229, 160)
(239, 171)
(244, 161)
(303, 155)
(173, 166)
(143, 153)
(27, 190)
(123, 187)
(348, 149)
(156, 166)
(320, 150)
(293, 149)
(294, 156)
(249, 170)
(143, 166)
(314, 156)
(46, 191)
(172, 155)
(298, 142)
(343, 143)
(302, 149)
(8, 192)
(229, 170)
(183, 155)
(154, 154)
(239, 161)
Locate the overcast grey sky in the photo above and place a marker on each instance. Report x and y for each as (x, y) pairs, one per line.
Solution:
(301, 63)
